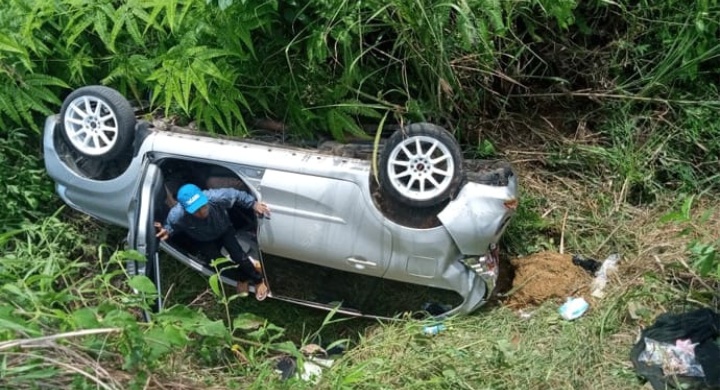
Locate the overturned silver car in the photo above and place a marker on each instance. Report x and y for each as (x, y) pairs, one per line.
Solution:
(423, 229)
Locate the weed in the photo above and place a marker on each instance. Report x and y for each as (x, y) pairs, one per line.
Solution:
(702, 247)
(498, 351)
(528, 232)
(28, 194)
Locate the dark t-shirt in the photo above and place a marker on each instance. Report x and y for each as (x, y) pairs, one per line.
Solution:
(217, 221)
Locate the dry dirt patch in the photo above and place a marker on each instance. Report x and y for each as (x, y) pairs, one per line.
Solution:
(546, 276)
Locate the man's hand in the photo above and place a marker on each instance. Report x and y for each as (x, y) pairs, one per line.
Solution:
(162, 233)
(262, 209)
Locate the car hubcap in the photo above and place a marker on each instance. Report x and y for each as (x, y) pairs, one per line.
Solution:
(91, 125)
(421, 167)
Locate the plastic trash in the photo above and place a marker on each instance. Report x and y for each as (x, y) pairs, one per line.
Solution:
(600, 281)
(311, 372)
(286, 367)
(573, 308)
(591, 266)
(674, 359)
(679, 351)
(432, 330)
(525, 314)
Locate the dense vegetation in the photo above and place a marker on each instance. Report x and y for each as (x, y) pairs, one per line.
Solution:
(615, 102)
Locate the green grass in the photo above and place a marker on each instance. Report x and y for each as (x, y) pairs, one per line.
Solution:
(495, 349)
(65, 279)
(188, 287)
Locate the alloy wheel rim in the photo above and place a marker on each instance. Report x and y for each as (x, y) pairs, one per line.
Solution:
(421, 167)
(91, 125)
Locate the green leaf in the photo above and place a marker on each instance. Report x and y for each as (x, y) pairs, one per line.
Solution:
(120, 318)
(100, 25)
(248, 321)
(5, 236)
(286, 346)
(339, 123)
(687, 207)
(9, 321)
(682, 215)
(7, 44)
(224, 4)
(215, 285)
(212, 329)
(157, 342)
(129, 255)
(142, 284)
(176, 336)
(355, 107)
(74, 28)
(85, 318)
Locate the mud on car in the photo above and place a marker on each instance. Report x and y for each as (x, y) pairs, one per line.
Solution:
(423, 229)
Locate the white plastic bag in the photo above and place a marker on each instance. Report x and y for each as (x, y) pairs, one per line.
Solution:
(678, 359)
(608, 266)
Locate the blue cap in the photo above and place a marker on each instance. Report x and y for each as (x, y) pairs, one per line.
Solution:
(192, 198)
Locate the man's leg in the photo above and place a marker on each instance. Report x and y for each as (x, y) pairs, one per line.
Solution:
(246, 267)
(208, 251)
(248, 273)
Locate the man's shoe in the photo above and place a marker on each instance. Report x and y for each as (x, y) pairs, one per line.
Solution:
(261, 291)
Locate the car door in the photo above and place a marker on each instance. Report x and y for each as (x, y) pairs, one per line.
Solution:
(323, 221)
(141, 235)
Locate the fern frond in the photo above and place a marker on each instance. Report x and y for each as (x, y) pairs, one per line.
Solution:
(11, 48)
(356, 107)
(29, 94)
(26, 104)
(118, 26)
(7, 107)
(223, 111)
(104, 16)
(339, 123)
(169, 8)
(74, 28)
(40, 87)
(8, 44)
(128, 70)
(78, 63)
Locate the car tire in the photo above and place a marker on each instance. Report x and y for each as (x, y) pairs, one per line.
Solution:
(97, 122)
(420, 165)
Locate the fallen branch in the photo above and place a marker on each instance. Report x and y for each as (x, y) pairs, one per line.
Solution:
(614, 96)
(45, 339)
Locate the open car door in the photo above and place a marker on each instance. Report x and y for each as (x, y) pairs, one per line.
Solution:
(141, 237)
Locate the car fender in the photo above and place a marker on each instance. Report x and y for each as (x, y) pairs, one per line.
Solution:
(479, 211)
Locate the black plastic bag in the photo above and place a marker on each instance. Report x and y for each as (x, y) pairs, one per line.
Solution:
(701, 328)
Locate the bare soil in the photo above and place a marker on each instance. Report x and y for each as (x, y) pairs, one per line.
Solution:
(546, 276)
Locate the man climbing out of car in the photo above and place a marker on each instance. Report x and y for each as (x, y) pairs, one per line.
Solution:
(203, 216)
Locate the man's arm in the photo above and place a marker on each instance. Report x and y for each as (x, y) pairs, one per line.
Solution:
(228, 197)
(172, 222)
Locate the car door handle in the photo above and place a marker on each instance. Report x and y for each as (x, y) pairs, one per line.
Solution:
(360, 263)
